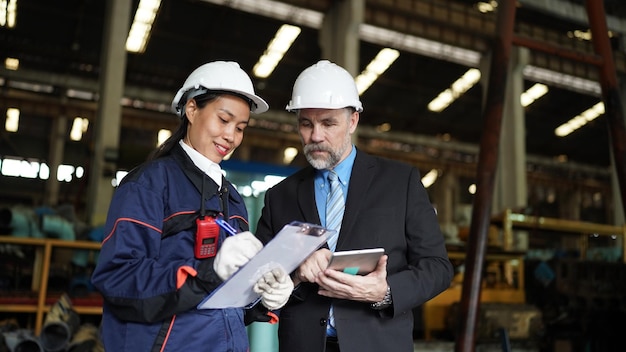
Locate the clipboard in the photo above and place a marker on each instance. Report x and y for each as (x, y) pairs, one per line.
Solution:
(288, 249)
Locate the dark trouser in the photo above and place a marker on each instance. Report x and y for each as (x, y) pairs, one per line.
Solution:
(332, 345)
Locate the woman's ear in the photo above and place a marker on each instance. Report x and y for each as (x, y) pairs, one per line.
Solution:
(190, 109)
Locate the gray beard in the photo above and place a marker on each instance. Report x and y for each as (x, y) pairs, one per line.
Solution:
(334, 156)
(321, 164)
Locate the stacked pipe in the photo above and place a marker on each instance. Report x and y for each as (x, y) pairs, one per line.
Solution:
(59, 326)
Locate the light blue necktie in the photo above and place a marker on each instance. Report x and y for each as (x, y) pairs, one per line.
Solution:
(335, 205)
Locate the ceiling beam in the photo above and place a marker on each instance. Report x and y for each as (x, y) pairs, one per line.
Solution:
(280, 122)
(573, 12)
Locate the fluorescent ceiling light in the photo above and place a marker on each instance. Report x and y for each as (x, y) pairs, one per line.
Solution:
(276, 49)
(375, 68)
(17, 167)
(119, 176)
(383, 127)
(162, 136)
(11, 63)
(458, 88)
(289, 154)
(580, 120)
(79, 126)
(533, 93)
(12, 122)
(8, 13)
(430, 178)
(585, 35)
(142, 25)
(486, 6)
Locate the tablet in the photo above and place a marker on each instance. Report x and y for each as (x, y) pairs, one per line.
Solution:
(356, 262)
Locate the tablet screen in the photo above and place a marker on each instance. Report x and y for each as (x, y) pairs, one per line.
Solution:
(356, 262)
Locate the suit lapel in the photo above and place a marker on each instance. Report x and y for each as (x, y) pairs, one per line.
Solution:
(306, 196)
(360, 180)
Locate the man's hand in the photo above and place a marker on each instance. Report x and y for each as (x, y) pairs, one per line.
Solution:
(368, 288)
(235, 251)
(275, 287)
(312, 266)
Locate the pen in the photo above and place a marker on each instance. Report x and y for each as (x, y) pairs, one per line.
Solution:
(226, 226)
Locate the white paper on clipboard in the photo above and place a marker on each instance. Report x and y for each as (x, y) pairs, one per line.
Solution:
(288, 249)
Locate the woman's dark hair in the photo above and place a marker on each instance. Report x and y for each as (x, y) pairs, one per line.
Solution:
(201, 101)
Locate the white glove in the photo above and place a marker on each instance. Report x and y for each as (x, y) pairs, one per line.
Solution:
(235, 252)
(275, 287)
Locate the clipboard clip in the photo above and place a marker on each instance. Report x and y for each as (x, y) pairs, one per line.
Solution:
(310, 229)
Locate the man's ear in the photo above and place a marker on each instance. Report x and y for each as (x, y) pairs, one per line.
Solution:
(354, 121)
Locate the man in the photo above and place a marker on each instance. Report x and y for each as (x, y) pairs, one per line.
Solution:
(385, 206)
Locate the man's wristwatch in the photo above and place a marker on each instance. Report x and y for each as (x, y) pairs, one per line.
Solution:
(386, 302)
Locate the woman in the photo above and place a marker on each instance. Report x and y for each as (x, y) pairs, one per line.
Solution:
(163, 252)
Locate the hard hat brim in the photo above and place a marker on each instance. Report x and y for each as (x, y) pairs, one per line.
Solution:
(260, 105)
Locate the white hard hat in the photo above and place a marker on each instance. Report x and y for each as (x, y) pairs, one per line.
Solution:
(324, 85)
(224, 76)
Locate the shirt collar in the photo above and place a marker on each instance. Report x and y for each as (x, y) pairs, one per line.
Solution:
(213, 170)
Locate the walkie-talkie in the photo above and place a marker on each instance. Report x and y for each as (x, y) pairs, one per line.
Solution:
(207, 231)
(207, 234)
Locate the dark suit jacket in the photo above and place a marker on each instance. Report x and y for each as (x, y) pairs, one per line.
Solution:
(387, 206)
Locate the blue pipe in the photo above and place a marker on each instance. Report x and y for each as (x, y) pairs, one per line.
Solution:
(20, 222)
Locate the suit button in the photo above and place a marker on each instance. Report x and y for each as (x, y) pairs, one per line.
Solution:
(323, 322)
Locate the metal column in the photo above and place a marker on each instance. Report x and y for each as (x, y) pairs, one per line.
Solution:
(610, 89)
(107, 126)
(487, 165)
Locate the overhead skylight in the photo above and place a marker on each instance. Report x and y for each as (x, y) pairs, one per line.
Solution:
(580, 120)
(375, 68)
(142, 25)
(275, 51)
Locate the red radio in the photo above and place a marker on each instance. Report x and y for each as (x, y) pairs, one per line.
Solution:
(207, 235)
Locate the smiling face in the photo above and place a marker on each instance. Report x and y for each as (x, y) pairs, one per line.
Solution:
(326, 135)
(217, 128)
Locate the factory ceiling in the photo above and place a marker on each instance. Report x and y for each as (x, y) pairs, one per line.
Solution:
(60, 43)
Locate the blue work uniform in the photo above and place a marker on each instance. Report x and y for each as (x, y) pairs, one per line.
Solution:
(147, 272)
